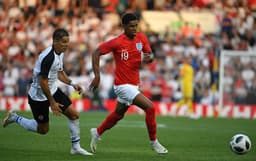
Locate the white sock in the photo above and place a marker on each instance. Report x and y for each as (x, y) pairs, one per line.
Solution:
(29, 124)
(153, 141)
(74, 129)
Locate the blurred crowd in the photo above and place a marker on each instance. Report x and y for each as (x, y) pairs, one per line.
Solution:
(26, 28)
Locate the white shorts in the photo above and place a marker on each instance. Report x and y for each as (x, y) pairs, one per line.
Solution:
(126, 93)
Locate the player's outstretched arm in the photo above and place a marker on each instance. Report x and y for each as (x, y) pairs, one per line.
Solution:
(96, 70)
(62, 76)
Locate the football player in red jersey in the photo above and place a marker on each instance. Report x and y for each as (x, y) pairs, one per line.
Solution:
(129, 50)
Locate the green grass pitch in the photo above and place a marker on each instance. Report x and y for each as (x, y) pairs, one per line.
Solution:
(205, 139)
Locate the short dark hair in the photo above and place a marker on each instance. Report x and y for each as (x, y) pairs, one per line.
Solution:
(127, 17)
(59, 33)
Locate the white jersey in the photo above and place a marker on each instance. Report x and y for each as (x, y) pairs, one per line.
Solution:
(48, 64)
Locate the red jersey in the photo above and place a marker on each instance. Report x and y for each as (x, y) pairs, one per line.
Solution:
(127, 55)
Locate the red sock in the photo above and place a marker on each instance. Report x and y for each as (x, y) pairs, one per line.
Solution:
(151, 123)
(109, 122)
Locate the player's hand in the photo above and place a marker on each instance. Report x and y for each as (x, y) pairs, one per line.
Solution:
(55, 107)
(94, 84)
(78, 88)
(148, 58)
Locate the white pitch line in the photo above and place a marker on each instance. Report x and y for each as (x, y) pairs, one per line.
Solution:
(130, 124)
(137, 124)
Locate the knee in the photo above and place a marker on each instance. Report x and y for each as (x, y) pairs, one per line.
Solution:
(151, 105)
(150, 110)
(43, 130)
(75, 116)
(120, 112)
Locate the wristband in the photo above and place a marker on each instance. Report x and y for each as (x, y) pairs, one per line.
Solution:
(72, 83)
(91, 88)
(151, 56)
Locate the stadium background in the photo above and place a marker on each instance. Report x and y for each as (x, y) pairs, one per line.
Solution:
(199, 28)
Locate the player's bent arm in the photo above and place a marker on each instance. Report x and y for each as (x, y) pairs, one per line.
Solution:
(96, 70)
(96, 62)
(45, 87)
(148, 57)
(62, 76)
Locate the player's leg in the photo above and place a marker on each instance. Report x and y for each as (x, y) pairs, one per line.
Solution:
(40, 111)
(74, 128)
(108, 123)
(144, 103)
(189, 98)
(112, 118)
(189, 103)
(12, 117)
(125, 95)
(40, 123)
(73, 122)
(182, 101)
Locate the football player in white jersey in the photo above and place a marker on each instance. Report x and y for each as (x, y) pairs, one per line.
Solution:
(44, 93)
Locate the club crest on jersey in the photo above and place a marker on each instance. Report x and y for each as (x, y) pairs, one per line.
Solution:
(139, 46)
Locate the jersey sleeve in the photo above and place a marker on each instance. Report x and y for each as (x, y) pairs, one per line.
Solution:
(107, 46)
(61, 62)
(46, 65)
(146, 45)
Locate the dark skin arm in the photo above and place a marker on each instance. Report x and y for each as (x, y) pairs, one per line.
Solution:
(148, 57)
(55, 106)
(96, 70)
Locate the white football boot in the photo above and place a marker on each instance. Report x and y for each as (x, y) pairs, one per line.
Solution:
(79, 150)
(157, 147)
(9, 118)
(94, 139)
